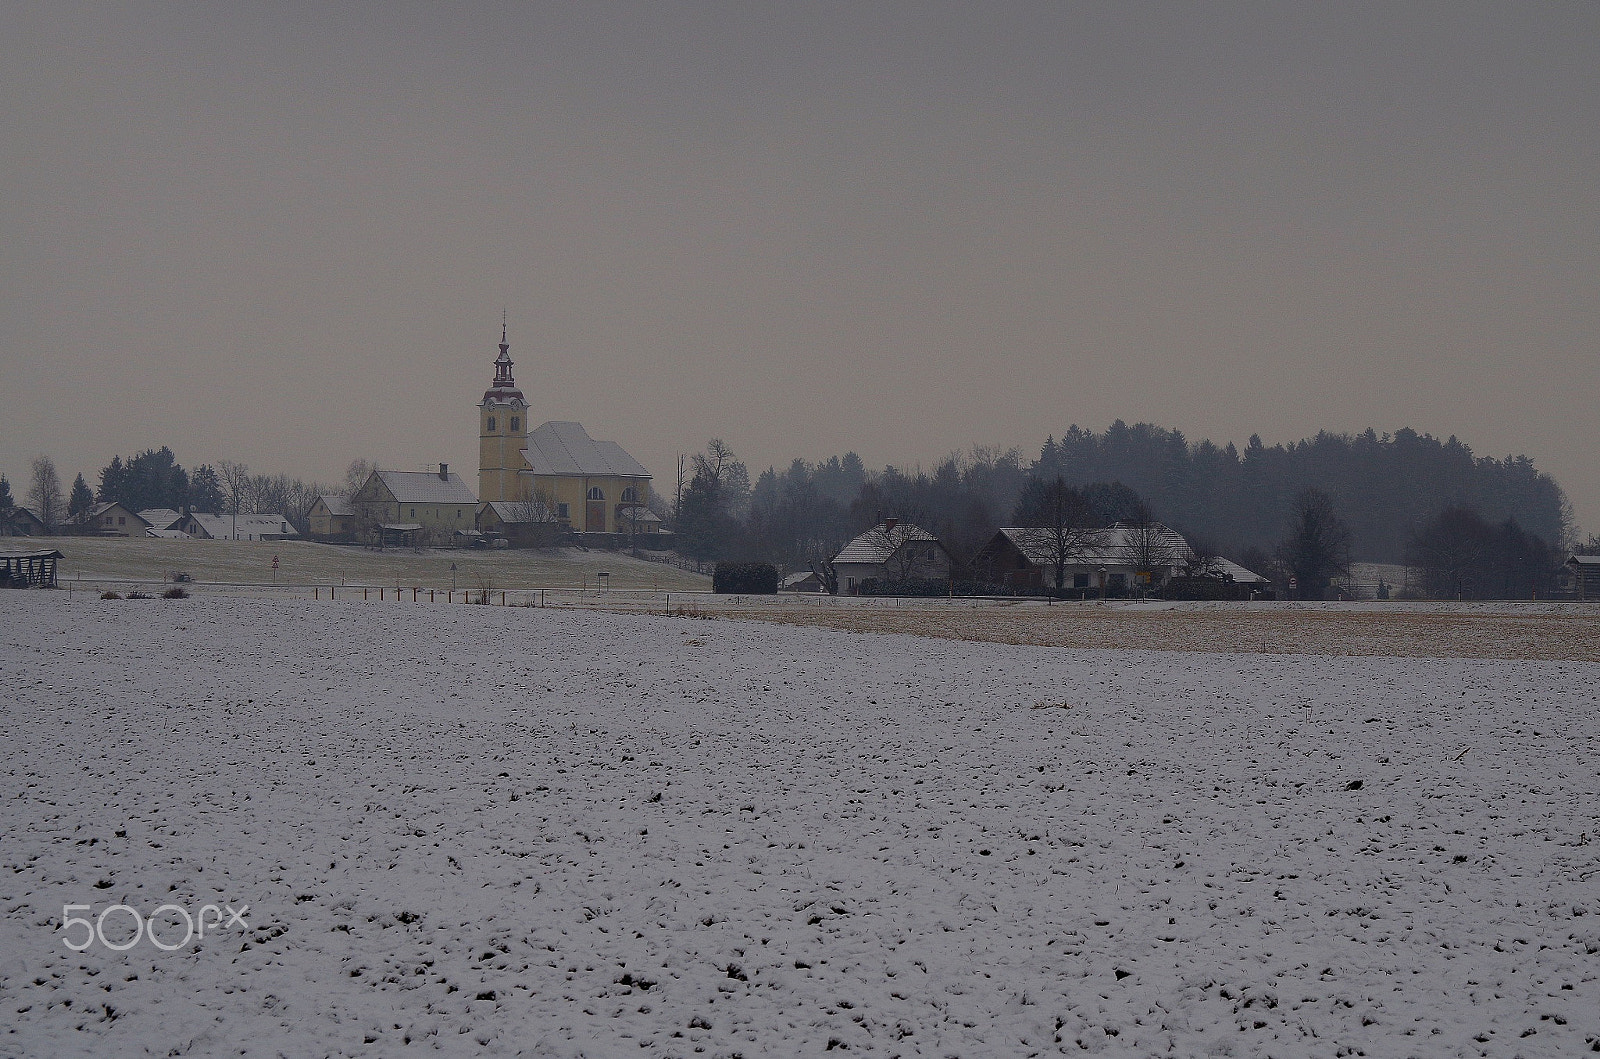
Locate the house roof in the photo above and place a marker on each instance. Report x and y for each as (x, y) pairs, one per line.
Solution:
(161, 518)
(6, 553)
(337, 503)
(878, 544)
(513, 512)
(102, 508)
(557, 448)
(804, 577)
(221, 527)
(1229, 570)
(1584, 560)
(1116, 545)
(426, 487)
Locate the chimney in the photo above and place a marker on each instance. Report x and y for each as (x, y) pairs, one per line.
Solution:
(889, 524)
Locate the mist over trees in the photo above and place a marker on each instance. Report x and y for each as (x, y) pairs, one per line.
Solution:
(1383, 486)
(1307, 509)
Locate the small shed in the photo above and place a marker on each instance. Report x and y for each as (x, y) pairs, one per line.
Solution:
(1585, 575)
(31, 569)
(805, 581)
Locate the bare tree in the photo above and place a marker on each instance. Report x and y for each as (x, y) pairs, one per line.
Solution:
(532, 504)
(44, 493)
(1150, 546)
(356, 475)
(910, 552)
(1063, 527)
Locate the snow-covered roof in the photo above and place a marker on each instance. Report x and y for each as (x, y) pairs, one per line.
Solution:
(1228, 570)
(1584, 560)
(802, 578)
(166, 534)
(426, 487)
(101, 508)
(1116, 545)
(223, 527)
(878, 544)
(557, 448)
(161, 518)
(337, 504)
(514, 512)
(401, 527)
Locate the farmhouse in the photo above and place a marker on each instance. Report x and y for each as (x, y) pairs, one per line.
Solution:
(1119, 558)
(893, 553)
(163, 522)
(593, 486)
(522, 525)
(332, 519)
(23, 523)
(112, 519)
(418, 507)
(236, 527)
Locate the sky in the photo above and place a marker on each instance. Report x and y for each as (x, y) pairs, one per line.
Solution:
(285, 233)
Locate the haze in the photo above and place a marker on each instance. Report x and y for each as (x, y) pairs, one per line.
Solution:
(285, 233)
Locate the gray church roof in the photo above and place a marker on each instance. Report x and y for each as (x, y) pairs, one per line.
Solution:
(567, 449)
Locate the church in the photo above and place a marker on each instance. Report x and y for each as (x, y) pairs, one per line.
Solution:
(555, 471)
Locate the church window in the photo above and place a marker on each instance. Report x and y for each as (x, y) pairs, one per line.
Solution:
(516, 424)
(491, 424)
(561, 511)
(595, 493)
(630, 495)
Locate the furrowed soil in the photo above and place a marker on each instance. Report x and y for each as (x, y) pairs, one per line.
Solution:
(1554, 633)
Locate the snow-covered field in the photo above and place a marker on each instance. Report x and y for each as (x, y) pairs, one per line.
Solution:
(550, 832)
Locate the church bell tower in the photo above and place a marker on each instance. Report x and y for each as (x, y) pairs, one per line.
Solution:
(502, 431)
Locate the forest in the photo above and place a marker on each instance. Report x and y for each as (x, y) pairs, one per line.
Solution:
(1386, 488)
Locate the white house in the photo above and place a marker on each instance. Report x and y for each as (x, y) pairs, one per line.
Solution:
(237, 527)
(1117, 558)
(891, 552)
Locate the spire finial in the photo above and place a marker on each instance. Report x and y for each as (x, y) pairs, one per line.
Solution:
(502, 326)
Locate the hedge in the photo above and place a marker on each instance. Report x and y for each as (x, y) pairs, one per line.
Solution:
(748, 579)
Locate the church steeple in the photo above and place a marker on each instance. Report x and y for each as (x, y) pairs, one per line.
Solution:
(502, 363)
(504, 390)
(502, 430)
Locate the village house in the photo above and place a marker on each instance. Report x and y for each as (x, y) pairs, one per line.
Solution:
(1118, 559)
(593, 486)
(414, 507)
(23, 523)
(891, 553)
(113, 519)
(163, 522)
(201, 526)
(332, 519)
(521, 525)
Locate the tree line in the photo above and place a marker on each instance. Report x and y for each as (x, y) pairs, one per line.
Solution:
(155, 479)
(1305, 510)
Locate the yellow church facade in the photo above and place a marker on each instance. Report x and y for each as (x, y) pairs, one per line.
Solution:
(556, 471)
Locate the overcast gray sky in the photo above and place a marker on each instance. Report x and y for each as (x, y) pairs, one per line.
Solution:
(284, 233)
